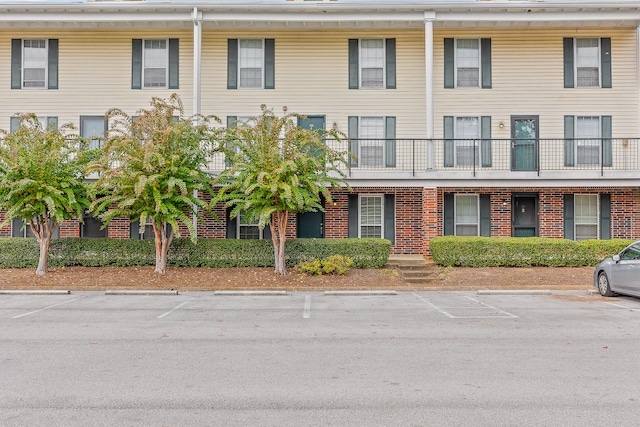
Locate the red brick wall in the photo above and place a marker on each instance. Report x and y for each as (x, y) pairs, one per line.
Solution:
(4, 231)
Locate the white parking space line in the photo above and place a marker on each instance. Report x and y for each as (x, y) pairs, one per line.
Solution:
(505, 313)
(43, 309)
(435, 307)
(306, 313)
(177, 307)
(621, 306)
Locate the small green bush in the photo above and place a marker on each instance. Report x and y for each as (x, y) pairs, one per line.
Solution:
(312, 267)
(521, 251)
(336, 264)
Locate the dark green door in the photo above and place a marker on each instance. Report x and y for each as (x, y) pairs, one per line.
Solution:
(524, 140)
(311, 224)
(525, 215)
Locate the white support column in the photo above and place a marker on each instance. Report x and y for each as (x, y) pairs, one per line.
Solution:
(196, 17)
(638, 72)
(428, 71)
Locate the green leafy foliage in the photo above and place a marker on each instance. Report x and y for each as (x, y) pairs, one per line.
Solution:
(521, 252)
(276, 169)
(154, 167)
(312, 267)
(336, 264)
(213, 253)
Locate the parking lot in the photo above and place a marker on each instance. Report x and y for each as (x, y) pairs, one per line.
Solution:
(413, 358)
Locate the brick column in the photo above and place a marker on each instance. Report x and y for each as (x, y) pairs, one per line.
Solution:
(431, 217)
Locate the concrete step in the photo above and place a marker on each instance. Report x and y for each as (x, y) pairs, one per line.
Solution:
(414, 269)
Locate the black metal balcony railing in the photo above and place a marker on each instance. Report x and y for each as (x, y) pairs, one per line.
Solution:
(484, 155)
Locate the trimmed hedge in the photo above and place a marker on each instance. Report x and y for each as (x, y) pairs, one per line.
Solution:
(521, 251)
(214, 253)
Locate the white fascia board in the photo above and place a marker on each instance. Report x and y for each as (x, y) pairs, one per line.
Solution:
(313, 17)
(96, 17)
(550, 17)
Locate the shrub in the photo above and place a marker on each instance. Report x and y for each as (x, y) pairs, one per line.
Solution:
(336, 264)
(521, 252)
(312, 267)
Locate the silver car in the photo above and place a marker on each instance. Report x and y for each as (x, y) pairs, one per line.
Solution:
(619, 274)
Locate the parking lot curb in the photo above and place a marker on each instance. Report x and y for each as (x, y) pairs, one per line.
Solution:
(34, 292)
(250, 293)
(389, 292)
(514, 292)
(131, 292)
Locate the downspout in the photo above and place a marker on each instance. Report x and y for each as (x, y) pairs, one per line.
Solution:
(428, 72)
(196, 17)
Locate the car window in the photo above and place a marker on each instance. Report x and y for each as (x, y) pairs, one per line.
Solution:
(632, 252)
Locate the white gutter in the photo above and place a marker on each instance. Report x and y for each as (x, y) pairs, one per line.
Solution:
(196, 17)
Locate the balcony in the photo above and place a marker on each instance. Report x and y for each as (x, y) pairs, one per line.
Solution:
(497, 159)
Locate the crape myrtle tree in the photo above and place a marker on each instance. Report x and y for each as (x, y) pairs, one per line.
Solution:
(154, 167)
(277, 169)
(42, 179)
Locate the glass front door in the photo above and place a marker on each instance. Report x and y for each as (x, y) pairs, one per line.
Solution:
(524, 143)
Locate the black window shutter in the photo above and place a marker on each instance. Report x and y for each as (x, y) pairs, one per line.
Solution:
(353, 141)
(16, 64)
(391, 63)
(449, 224)
(136, 64)
(449, 143)
(485, 143)
(449, 64)
(390, 218)
(390, 142)
(569, 142)
(174, 63)
(607, 151)
(134, 230)
(568, 62)
(232, 64)
(231, 225)
(16, 228)
(568, 217)
(605, 216)
(353, 216)
(605, 62)
(485, 215)
(14, 124)
(269, 63)
(354, 64)
(266, 232)
(53, 64)
(231, 123)
(485, 62)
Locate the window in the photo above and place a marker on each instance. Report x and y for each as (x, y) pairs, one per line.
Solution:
(251, 64)
(248, 228)
(34, 64)
(45, 121)
(467, 63)
(587, 62)
(586, 216)
(91, 226)
(372, 140)
(588, 150)
(20, 229)
(155, 63)
(588, 141)
(371, 216)
(93, 129)
(372, 63)
(467, 215)
(145, 232)
(467, 136)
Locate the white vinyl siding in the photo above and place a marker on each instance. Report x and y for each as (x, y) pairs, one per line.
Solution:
(467, 215)
(372, 62)
(371, 216)
(588, 150)
(467, 133)
(250, 63)
(155, 64)
(467, 63)
(587, 63)
(586, 216)
(34, 63)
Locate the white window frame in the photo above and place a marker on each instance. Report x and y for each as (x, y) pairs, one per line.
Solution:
(584, 141)
(578, 58)
(145, 66)
(46, 64)
(455, 214)
(241, 67)
(240, 224)
(361, 67)
(457, 63)
(368, 141)
(94, 141)
(591, 198)
(43, 120)
(463, 141)
(361, 223)
(25, 229)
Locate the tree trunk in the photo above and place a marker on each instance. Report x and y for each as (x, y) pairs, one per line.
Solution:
(279, 237)
(44, 255)
(162, 246)
(43, 229)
